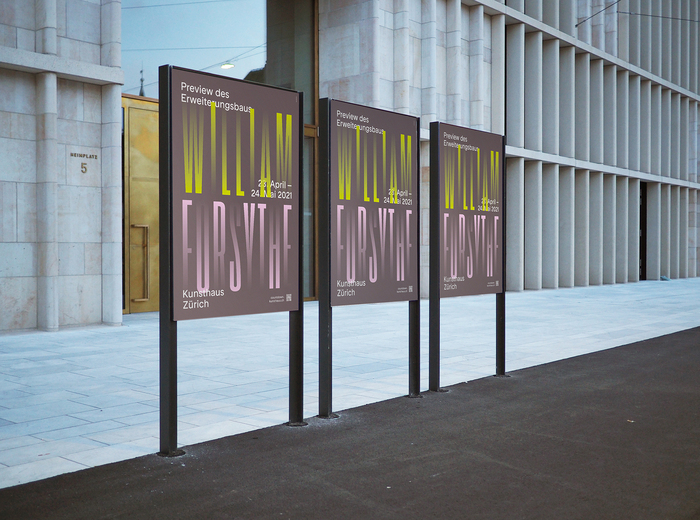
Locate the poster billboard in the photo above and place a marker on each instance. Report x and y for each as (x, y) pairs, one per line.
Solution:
(470, 185)
(374, 189)
(235, 196)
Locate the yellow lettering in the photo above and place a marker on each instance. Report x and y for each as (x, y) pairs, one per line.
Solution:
(193, 144)
(284, 148)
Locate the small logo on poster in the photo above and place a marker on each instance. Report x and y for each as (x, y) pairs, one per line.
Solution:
(410, 288)
(289, 297)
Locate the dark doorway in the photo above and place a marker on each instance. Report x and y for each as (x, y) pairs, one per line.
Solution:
(642, 230)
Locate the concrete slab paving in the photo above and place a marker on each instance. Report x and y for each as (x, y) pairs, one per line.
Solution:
(100, 384)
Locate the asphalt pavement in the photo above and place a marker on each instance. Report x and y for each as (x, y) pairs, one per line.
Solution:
(613, 434)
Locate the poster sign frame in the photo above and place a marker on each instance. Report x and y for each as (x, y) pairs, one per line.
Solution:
(470, 175)
(454, 253)
(293, 157)
(236, 198)
(374, 197)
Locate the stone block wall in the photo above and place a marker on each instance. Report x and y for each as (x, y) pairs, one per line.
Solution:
(18, 204)
(60, 163)
(78, 30)
(79, 223)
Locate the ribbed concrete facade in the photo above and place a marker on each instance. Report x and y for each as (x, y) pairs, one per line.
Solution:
(598, 111)
(599, 106)
(60, 163)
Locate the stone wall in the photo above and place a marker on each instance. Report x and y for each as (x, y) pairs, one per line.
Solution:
(18, 211)
(60, 163)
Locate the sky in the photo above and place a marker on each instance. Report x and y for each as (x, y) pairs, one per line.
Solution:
(195, 34)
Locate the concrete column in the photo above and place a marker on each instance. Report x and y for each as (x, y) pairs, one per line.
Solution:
(657, 37)
(477, 71)
(595, 229)
(634, 130)
(623, 86)
(583, 11)
(622, 229)
(583, 106)
(454, 59)
(402, 63)
(633, 234)
(634, 32)
(533, 225)
(372, 66)
(645, 51)
(609, 228)
(567, 102)
(684, 137)
(533, 91)
(610, 115)
(498, 74)
(550, 13)
(675, 130)
(429, 62)
(582, 223)
(692, 166)
(685, 63)
(111, 205)
(666, 230)
(693, 55)
(645, 126)
(676, 50)
(111, 33)
(46, 27)
(683, 233)
(515, 224)
(550, 96)
(597, 24)
(515, 87)
(653, 231)
(550, 226)
(656, 130)
(518, 5)
(47, 200)
(597, 112)
(567, 227)
(667, 38)
(623, 31)
(666, 131)
(567, 17)
(611, 35)
(533, 8)
(675, 210)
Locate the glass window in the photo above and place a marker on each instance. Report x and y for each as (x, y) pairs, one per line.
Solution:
(267, 41)
(200, 35)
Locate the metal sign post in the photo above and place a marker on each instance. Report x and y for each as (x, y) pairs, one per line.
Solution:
(168, 327)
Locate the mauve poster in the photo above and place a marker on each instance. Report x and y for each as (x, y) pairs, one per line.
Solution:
(374, 205)
(236, 198)
(470, 212)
